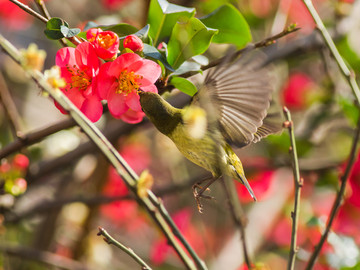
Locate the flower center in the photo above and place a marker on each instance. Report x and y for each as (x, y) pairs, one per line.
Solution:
(106, 40)
(79, 78)
(128, 82)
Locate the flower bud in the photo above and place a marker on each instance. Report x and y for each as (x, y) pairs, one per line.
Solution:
(133, 43)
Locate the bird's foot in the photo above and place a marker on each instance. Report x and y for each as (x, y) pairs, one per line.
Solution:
(198, 192)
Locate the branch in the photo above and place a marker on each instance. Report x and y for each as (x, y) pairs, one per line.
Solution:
(43, 257)
(10, 109)
(338, 200)
(74, 40)
(237, 214)
(298, 183)
(350, 77)
(129, 177)
(111, 241)
(349, 74)
(35, 136)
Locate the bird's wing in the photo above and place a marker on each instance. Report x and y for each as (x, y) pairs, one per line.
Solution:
(240, 92)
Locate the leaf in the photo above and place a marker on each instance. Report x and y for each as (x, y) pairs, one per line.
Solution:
(69, 32)
(188, 66)
(163, 16)
(151, 52)
(53, 28)
(232, 26)
(350, 110)
(189, 37)
(183, 85)
(121, 29)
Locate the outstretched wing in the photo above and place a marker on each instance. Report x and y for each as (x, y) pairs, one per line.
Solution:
(240, 92)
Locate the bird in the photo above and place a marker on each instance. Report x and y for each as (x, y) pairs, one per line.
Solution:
(236, 97)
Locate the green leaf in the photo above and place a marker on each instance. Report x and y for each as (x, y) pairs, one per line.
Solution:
(53, 28)
(350, 110)
(232, 26)
(121, 29)
(163, 16)
(189, 37)
(151, 52)
(69, 32)
(188, 66)
(183, 85)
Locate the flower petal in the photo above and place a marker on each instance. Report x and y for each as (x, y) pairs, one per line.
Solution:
(117, 104)
(133, 101)
(148, 69)
(65, 56)
(86, 57)
(147, 86)
(123, 62)
(104, 82)
(92, 108)
(132, 117)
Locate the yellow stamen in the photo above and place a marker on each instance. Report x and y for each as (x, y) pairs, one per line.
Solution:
(106, 41)
(128, 82)
(79, 78)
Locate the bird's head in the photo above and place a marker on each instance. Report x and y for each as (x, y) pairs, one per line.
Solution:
(163, 115)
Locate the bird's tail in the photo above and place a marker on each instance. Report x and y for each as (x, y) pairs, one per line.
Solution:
(245, 182)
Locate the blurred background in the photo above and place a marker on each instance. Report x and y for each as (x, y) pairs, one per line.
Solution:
(56, 192)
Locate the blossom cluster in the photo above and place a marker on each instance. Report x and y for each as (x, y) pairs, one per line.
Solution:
(12, 174)
(93, 72)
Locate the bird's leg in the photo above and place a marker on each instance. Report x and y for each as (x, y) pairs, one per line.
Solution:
(198, 191)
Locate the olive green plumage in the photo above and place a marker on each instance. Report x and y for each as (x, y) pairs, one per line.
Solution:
(237, 95)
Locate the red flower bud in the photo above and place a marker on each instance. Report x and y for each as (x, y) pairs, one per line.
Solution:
(21, 162)
(133, 43)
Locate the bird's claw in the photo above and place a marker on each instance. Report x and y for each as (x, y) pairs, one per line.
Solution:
(198, 194)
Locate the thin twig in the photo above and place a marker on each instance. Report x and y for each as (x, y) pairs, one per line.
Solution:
(350, 77)
(41, 5)
(349, 74)
(75, 40)
(30, 138)
(122, 168)
(111, 241)
(10, 110)
(263, 43)
(237, 214)
(29, 10)
(338, 200)
(42, 256)
(298, 183)
(50, 205)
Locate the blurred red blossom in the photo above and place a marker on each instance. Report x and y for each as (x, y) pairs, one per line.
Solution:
(126, 212)
(160, 249)
(106, 43)
(21, 162)
(119, 81)
(133, 43)
(114, 4)
(260, 183)
(79, 67)
(12, 17)
(296, 91)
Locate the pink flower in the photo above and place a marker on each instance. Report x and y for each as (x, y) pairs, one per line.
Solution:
(12, 17)
(126, 213)
(79, 67)
(20, 162)
(114, 4)
(119, 81)
(261, 185)
(160, 249)
(133, 43)
(106, 43)
(296, 91)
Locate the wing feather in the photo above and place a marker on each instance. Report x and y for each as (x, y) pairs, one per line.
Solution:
(240, 92)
